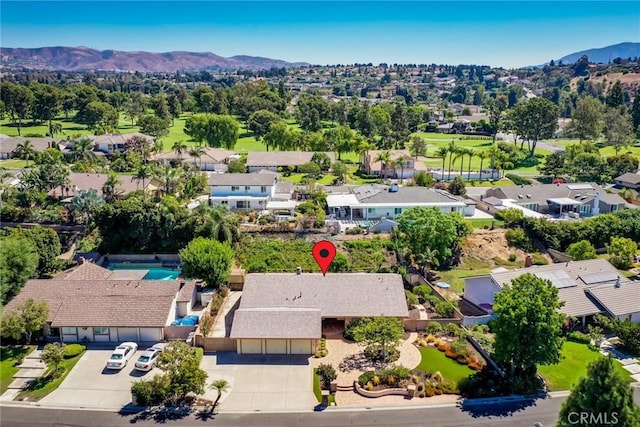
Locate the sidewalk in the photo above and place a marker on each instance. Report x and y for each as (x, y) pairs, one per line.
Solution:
(629, 363)
(32, 367)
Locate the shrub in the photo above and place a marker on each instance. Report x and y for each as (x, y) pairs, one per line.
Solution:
(391, 380)
(349, 329)
(366, 377)
(438, 342)
(579, 337)
(452, 329)
(422, 343)
(512, 257)
(450, 353)
(444, 309)
(459, 347)
(517, 179)
(420, 387)
(369, 386)
(327, 374)
(437, 377)
(444, 347)
(376, 380)
(72, 350)
(449, 387)
(434, 328)
(538, 259)
(354, 230)
(517, 238)
(475, 366)
(430, 338)
(422, 291)
(411, 299)
(438, 392)
(421, 395)
(462, 359)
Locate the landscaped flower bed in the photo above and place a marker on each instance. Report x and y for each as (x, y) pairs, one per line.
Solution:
(451, 340)
(398, 379)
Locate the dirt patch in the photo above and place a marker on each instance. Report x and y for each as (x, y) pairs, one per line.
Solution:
(629, 81)
(489, 246)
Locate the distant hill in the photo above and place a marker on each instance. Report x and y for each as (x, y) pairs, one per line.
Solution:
(84, 58)
(604, 54)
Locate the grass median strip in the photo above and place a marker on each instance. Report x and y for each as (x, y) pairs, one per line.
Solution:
(48, 382)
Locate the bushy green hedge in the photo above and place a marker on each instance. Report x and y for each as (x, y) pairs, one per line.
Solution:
(366, 255)
(517, 179)
(276, 255)
(579, 337)
(72, 350)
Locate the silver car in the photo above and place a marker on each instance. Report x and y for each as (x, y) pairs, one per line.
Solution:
(147, 359)
(121, 355)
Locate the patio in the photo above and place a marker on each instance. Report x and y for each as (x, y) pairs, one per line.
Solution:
(348, 360)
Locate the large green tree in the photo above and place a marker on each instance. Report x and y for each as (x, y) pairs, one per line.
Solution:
(153, 125)
(310, 111)
(381, 337)
(180, 365)
(582, 250)
(260, 122)
(528, 327)
(100, 117)
(18, 100)
(215, 130)
(18, 262)
(428, 229)
(621, 251)
(603, 397)
(496, 108)
(281, 136)
(46, 103)
(535, 119)
(47, 244)
(618, 129)
(28, 318)
(587, 120)
(207, 259)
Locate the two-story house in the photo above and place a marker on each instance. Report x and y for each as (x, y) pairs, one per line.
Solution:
(242, 191)
(115, 142)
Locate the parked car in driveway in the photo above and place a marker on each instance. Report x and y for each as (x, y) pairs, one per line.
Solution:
(147, 359)
(121, 355)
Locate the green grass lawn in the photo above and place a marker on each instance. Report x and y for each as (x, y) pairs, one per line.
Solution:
(45, 384)
(14, 163)
(9, 357)
(565, 375)
(433, 360)
(482, 222)
(470, 267)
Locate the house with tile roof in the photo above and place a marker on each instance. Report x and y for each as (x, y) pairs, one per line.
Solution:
(211, 159)
(406, 166)
(9, 144)
(629, 180)
(286, 313)
(375, 201)
(83, 181)
(90, 303)
(272, 160)
(587, 288)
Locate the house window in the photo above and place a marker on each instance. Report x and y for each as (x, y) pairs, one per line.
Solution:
(100, 330)
(263, 189)
(371, 210)
(66, 330)
(247, 188)
(397, 211)
(614, 208)
(243, 204)
(585, 209)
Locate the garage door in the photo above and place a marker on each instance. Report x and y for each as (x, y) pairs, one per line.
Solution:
(150, 334)
(301, 347)
(128, 334)
(276, 346)
(251, 346)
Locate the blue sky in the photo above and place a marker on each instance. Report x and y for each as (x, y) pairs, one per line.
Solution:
(501, 33)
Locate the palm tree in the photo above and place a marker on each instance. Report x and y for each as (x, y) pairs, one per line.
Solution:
(460, 152)
(83, 203)
(427, 259)
(493, 156)
(25, 150)
(196, 153)
(55, 128)
(109, 187)
(363, 150)
(179, 148)
(218, 223)
(627, 194)
(219, 386)
(170, 178)
(452, 151)
(83, 150)
(482, 155)
(142, 172)
(471, 153)
(385, 159)
(442, 153)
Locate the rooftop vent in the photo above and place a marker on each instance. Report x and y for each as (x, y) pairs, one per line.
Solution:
(520, 196)
(617, 285)
(298, 270)
(393, 188)
(528, 196)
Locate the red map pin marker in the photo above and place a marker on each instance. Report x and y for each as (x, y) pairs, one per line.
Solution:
(324, 252)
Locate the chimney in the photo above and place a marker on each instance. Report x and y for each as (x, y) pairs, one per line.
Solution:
(617, 285)
(298, 270)
(527, 261)
(81, 260)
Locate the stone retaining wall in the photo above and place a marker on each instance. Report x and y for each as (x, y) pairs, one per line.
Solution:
(386, 392)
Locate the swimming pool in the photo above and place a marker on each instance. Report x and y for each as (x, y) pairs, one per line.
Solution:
(155, 272)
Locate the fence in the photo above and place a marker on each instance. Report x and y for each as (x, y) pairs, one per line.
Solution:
(485, 355)
(421, 324)
(178, 332)
(215, 344)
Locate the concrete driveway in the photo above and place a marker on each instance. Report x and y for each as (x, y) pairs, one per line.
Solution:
(273, 383)
(90, 385)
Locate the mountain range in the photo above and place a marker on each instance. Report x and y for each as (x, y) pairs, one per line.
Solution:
(84, 58)
(605, 54)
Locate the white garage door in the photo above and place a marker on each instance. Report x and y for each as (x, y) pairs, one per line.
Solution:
(301, 347)
(128, 334)
(251, 346)
(150, 334)
(276, 346)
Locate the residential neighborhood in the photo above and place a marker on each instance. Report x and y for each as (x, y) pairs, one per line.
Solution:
(186, 237)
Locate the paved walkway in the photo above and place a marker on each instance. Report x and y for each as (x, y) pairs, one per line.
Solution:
(348, 398)
(31, 368)
(222, 327)
(629, 363)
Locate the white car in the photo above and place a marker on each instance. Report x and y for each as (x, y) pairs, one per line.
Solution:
(147, 359)
(121, 355)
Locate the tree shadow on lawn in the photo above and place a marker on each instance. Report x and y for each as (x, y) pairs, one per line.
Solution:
(497, 407)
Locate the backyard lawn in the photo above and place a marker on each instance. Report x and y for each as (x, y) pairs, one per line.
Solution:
(9, 357)
(576, 357)
(47, 383)
(433, 360)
